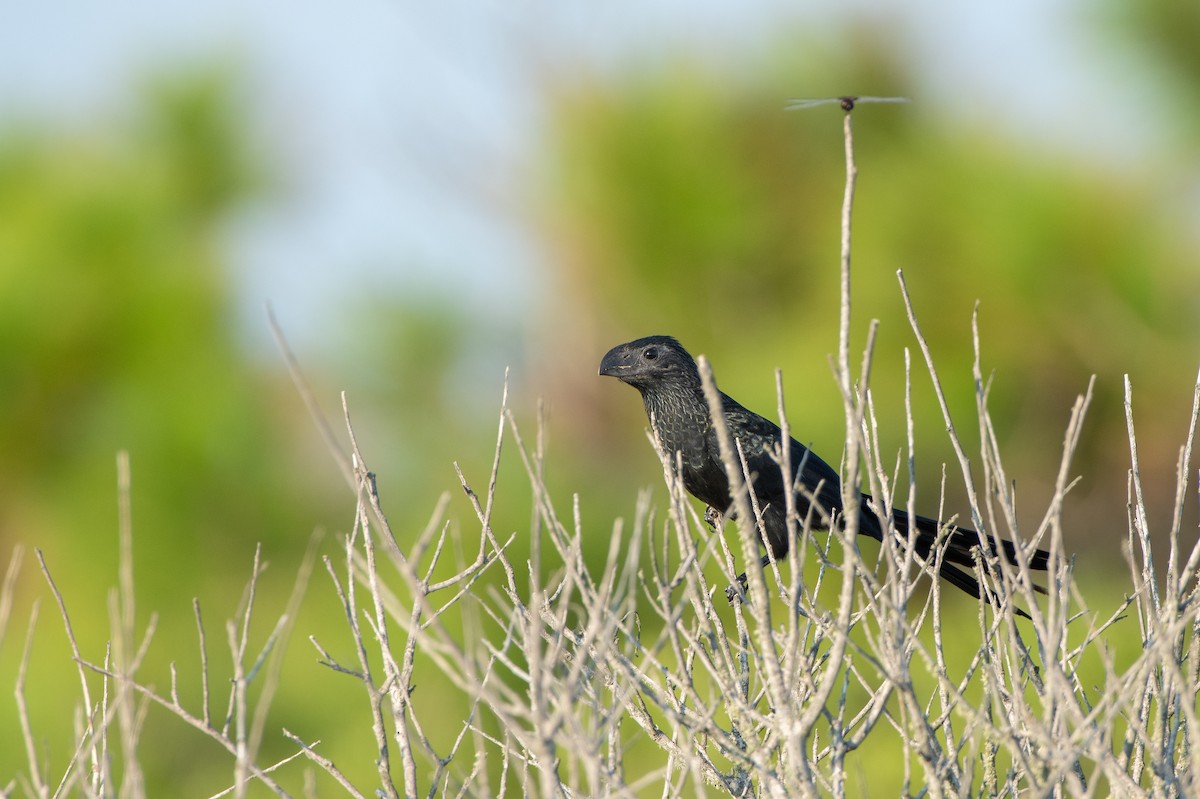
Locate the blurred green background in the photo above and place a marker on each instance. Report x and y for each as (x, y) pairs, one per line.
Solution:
(669, 196)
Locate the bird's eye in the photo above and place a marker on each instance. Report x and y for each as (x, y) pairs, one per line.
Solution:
(650, 353)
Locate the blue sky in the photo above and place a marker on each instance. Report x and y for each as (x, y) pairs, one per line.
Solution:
(405, 131)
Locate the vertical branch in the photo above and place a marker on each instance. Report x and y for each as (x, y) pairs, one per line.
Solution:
(8, 588)
(1175, 581)
(203, 644)
(36, 776)
(125, 535)
(86, 693)
(850, 485)
(1141, 524)
(367, 496)
(850, 493)
(847, 215)
(123, 632)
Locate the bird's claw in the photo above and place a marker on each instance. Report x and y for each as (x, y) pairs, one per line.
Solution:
(712, 517)
(736, 592)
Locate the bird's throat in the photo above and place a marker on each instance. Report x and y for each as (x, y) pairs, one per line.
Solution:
(680, 418)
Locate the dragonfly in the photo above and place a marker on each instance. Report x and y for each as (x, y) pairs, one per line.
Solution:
(847, 102)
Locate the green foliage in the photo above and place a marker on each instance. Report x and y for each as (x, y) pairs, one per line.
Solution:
(1163, 32)
(117, 332)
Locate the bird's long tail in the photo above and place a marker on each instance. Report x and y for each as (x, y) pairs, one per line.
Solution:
(957, 561)
(959, 545)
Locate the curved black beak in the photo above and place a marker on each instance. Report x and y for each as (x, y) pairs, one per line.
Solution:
(615, 363)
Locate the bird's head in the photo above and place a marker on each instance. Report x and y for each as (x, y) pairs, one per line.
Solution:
(650, 362)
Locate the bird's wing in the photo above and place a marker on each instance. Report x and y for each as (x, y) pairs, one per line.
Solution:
(759, 439)
(815, 479)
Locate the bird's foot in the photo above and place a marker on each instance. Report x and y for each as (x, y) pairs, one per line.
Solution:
(712, 517)
(736, 592)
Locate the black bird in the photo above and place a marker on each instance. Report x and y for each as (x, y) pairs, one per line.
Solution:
(667, 377)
